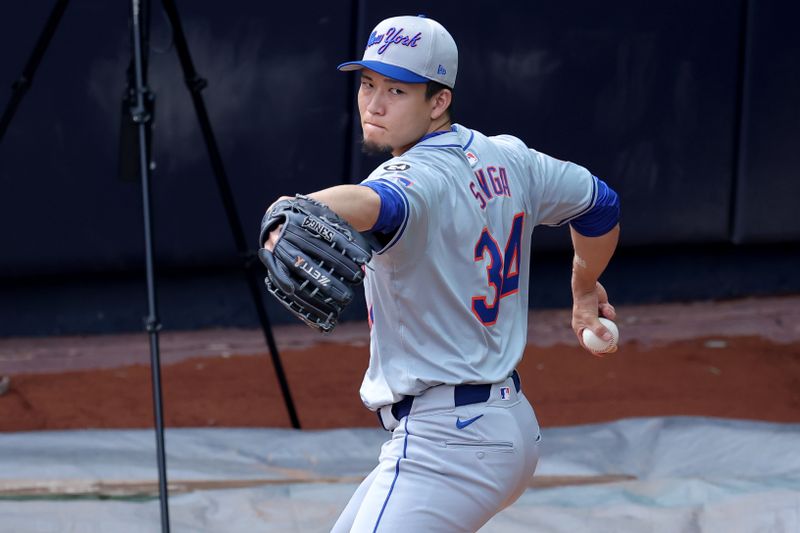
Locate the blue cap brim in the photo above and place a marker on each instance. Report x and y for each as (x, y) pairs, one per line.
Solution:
(390, 71)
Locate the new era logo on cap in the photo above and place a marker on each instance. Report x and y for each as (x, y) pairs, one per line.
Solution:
(410, 49)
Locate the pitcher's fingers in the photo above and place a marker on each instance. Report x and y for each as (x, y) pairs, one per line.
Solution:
(599, 329)
(607, 311)
(274, 235)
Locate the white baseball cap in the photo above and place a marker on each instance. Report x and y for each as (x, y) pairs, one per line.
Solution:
(410, 49)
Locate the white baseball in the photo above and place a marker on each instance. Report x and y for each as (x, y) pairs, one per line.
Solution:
(598, 345)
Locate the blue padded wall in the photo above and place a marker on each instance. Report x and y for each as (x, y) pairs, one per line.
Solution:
(769, 171)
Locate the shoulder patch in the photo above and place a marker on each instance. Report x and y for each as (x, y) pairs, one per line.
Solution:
(397, 167)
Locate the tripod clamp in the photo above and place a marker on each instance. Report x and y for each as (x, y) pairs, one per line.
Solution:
(141, 114)
(152, 324)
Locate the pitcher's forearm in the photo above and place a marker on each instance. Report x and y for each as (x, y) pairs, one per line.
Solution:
(358, 205)
(592, 255)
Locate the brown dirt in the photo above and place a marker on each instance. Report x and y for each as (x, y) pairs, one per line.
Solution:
(738, 377)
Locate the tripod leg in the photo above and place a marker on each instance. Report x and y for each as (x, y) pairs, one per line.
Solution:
(143, 118)
(21, 86)
(196, 84)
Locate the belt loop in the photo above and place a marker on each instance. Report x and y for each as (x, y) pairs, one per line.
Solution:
(380, 419)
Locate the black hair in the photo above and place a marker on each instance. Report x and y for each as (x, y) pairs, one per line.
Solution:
(432, 88)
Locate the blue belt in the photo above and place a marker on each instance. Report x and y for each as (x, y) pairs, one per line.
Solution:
(463, 395)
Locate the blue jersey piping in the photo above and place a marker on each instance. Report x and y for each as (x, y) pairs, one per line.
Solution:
(469, 142)
(586, 209)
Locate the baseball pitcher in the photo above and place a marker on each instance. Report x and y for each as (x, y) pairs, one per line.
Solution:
(440, 237)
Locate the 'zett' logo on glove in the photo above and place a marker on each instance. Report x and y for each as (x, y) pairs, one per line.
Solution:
(321, 278)
(317, 227)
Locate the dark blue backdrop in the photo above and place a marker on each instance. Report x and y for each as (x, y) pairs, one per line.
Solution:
(689, 109)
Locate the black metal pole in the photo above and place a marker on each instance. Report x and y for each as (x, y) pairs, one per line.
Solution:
(21, 86)
(196, 84)
(143, 118)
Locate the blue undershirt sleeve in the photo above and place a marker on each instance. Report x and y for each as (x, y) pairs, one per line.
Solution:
(603, 216)
(393, 208)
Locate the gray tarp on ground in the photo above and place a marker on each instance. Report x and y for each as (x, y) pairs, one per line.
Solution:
(691, 474)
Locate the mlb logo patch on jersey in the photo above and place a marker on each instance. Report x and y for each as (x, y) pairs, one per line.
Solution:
(505, 393)
(472, 158)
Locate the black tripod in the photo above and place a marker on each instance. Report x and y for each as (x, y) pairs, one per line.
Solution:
(140, 109)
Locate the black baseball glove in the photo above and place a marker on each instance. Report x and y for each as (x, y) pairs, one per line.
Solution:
(317, 260)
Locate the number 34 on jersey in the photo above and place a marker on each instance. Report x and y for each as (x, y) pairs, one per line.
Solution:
(502, 270)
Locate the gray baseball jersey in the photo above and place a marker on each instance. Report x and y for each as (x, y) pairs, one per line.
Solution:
(447, 296)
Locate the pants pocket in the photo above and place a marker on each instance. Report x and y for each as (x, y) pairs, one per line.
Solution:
(482, 445)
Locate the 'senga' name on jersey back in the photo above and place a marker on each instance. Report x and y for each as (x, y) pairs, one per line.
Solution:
(490, 182)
